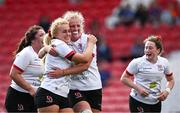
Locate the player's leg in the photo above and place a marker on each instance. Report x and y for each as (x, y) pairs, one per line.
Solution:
(94, 98)
(78, 102)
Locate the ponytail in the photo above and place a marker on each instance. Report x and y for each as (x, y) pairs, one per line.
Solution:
(47, 39)
(21, 45)
(27, 39)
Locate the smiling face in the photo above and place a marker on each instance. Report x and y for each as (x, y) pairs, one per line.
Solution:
(60, 30)
(38, 40)
(76, 28)
(63, 33)
(151, 51)
(39, 37)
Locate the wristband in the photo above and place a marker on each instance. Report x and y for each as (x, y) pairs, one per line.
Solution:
(168, 90)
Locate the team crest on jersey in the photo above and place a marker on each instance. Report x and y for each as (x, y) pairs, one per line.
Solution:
(160, 67)
(80, 47)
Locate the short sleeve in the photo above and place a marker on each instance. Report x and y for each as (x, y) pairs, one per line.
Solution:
(64, 50)
(132, 67)
(167, 70)
(22, 60)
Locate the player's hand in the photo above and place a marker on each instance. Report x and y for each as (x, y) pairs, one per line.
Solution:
(32, 91)
(51, 50)
(92, 39)
(56, 73)
(143, 92)
(163, 95)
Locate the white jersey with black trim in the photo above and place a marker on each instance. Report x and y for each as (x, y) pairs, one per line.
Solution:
(59, 86)
(89, 79)
(31, 66)
(149, 76)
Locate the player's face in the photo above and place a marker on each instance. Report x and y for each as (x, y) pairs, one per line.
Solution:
(39, 37)
(64, 33)
(76, 28)
(151, 51)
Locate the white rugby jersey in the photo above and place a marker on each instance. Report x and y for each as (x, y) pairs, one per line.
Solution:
(59, 86)
(149, 76)
(28, 62)
(89, 79)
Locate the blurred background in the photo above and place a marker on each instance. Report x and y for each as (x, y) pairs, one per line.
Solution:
(120, 26)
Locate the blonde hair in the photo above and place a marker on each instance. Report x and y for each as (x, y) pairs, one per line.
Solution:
(55, 24)
(75, 14)
(47, 39)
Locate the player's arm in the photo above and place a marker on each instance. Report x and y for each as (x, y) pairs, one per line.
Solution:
(76, 69)
(126, 79)
(170, 81)
(16, 75)
(84, 57)
(87, 54)
(47, 49)
(170, 84)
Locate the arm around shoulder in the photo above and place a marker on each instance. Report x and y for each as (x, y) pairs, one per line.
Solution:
(88, 53)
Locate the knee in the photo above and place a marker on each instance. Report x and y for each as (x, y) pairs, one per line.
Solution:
(86, 111)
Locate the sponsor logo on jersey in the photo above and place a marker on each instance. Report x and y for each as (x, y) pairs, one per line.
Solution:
(160, 67)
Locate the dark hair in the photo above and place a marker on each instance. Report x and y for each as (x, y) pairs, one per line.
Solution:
(28, 37)
(157, 40)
